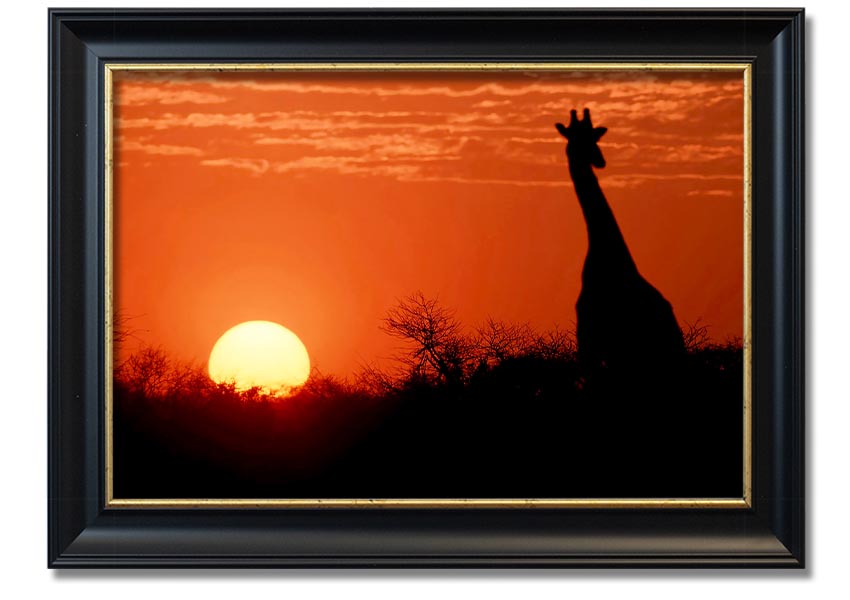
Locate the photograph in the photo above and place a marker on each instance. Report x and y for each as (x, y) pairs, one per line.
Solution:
(426, 288)
(512, 284)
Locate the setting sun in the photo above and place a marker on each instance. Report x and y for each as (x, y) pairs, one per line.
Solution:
(260, 354)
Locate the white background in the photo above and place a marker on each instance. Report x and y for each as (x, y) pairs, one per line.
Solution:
(23, 235)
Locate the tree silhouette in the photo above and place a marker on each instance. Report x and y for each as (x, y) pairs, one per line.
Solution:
(555, 344)
(498, 340)
(122, 329)
(146, 371)
(695, 335)
(437, 348)
(151, 373)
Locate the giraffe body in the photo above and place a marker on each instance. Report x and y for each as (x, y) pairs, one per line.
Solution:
(625, 325)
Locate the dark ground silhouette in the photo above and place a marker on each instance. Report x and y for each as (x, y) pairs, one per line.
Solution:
(501, 412)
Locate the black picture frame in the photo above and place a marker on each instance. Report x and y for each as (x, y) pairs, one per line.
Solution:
(84, 532)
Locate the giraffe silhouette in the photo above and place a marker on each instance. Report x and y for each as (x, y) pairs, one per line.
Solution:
(625, 326)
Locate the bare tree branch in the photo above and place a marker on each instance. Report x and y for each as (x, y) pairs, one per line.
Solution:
(437, 348)
(695, 336)
(122, 330)
(498, 340)
(555, 344)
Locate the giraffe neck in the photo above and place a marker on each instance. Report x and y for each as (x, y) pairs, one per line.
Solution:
(606, 244)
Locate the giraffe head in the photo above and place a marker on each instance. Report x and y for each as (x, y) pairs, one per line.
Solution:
(582, 141)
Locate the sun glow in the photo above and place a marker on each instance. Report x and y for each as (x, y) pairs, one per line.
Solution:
(260, 354)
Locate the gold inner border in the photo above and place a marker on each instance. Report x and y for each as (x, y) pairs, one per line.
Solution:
(614, 503)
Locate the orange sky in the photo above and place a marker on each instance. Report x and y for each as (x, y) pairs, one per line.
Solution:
(317, 200)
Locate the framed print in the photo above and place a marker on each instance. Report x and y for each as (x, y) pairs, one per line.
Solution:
(426, 288)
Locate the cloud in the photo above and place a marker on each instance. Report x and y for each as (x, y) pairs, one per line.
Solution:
(499, 90)
(627, 180)
(161, 149)
(349, 165)
(717, 193)
(197, 119)
(700, 153)
(256, 166)
(501, 131)
(138, 95)
(379, 146)
(729, 137)
(372, 165)
(400, 171)
(489, 181)
(300, 121)
(491, 103)
(586, 84)
(536, 140)
(665, 109)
